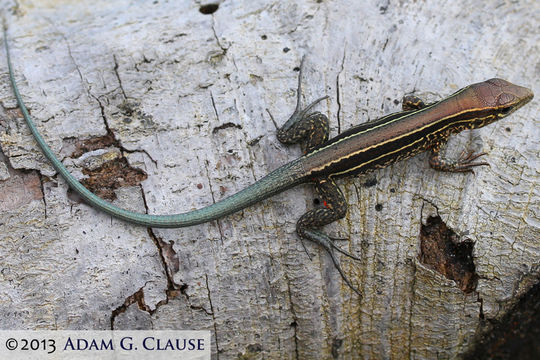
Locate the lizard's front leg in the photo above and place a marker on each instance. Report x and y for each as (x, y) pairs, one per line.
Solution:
(465, 163)
(412, 102)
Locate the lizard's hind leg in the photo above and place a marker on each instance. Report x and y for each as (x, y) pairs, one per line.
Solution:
(333, 207)
(310, 130)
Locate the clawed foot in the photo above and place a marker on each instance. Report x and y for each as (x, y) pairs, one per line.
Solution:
(327, 243)
(300, 113)
(337, 248)
(328, 247)
(465, 162)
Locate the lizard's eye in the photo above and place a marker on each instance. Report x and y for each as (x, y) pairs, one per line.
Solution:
(506, 110)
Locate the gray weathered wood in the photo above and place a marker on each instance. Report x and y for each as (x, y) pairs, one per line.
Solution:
(202, 88)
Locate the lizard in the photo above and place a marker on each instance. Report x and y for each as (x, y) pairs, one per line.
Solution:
(361, 149)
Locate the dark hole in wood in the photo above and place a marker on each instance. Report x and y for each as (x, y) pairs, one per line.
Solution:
(441, 251)
(208, 9)
(370, 182)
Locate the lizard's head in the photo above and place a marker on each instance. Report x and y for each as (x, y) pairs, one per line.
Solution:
(500, 96)
(488, 101)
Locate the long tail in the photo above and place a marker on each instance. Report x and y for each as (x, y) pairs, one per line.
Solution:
(279, 180)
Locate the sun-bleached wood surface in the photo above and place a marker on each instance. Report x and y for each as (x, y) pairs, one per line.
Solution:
(189, 98)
